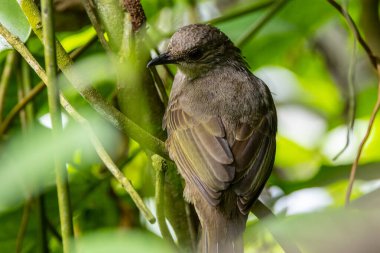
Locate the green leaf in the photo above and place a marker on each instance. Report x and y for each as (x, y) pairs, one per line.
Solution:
(12, 17)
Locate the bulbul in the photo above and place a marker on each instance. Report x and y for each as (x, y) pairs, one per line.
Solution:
(221, 123)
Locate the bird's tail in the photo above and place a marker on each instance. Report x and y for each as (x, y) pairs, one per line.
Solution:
(222, 236)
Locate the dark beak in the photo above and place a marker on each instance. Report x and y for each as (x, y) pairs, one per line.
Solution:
(164, 58)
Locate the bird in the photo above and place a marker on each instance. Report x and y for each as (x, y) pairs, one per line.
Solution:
(221, 123)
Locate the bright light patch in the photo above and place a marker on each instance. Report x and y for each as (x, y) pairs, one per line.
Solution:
(45, 120)
(282, 83)
(303, 201)
(300, 125)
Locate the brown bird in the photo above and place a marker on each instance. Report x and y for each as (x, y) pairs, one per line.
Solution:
(221, 123)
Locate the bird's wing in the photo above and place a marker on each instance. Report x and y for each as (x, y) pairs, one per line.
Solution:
(254, 151)
(201, 151)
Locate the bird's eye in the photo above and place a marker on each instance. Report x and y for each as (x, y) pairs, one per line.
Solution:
(195, 54)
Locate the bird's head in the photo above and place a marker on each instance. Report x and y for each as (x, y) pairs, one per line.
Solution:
(197, 48)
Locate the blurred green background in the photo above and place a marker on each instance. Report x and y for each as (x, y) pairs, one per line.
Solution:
(304, 51)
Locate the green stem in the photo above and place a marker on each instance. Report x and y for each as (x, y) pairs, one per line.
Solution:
(88, 6)
(238, 12)
(20, 95)
(9, 63)
(255, 28)
(55, 114)
(26, 83)
(160, 166)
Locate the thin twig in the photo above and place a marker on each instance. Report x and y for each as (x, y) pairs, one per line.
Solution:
(363, 142)
(160, 166)
(20, 105)
(27, 86)
(376, 64)
(240, 11)
(356, 32)
(262, 212)
(9, 63)
(20, 96)
(107, 160)
(255, 28)
(351, 100)
(54, 232)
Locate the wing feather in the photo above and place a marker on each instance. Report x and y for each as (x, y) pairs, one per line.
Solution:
(206, 159)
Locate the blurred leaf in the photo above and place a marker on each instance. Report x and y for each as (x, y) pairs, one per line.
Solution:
(343, 230)
(27, 162)
(121, 241)
(366, 100)
(305, 166)
(12, 17)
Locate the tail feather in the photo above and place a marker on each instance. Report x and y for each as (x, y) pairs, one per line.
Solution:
(222, 237)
